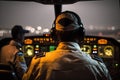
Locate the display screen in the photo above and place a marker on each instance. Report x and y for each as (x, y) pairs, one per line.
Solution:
(86, 48)
(28, 50)
(106, 51)
(52, 48)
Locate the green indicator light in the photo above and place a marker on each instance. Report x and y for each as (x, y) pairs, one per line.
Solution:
(94, 46)
(116, 65)
(37, 46)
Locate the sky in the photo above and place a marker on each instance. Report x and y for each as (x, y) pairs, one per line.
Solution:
(102, 13)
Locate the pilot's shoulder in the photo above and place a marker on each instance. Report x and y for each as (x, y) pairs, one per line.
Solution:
(97, 58)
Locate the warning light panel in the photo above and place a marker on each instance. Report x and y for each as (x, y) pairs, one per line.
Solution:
(89, 40)
(102, 41)
(28, 41)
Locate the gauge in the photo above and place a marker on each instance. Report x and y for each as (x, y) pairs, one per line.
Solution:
(86, 48)
(108, 50)
(29, 50)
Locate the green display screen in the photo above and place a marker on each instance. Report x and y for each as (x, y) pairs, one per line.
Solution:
(52, 48)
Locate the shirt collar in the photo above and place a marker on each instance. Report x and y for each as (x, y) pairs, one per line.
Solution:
(69, 45)
(14, 43)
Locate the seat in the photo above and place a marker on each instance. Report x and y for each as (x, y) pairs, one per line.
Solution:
(4, 66)
(76, 72)
(66, 75)
(7, 75)
(7, 72)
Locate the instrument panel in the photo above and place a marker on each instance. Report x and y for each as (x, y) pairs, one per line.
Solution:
(98, 46)
(37, 44)
(91, 45)
(108, 49)
(104, 51)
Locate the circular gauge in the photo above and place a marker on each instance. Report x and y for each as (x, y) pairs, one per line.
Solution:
(108, 51)
(86, 48)
(29, 50)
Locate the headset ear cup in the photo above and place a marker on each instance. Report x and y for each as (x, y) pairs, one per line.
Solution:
(53, 32)
(82, 33)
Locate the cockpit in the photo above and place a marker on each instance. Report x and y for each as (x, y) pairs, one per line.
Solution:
(100, 41)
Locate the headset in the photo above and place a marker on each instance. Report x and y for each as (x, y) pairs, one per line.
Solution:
(81, 28)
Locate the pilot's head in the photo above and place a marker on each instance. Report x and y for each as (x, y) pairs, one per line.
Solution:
(18, 33)
(68, 27)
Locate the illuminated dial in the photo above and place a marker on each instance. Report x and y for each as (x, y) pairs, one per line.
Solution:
(29, 50)
(86, 48)
(108, 50)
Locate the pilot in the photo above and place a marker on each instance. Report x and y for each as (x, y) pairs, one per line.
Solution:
(12, 53)
(67, 62)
